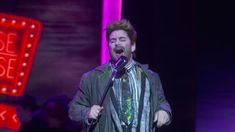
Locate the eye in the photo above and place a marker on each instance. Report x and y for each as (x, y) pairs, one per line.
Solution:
(122, 39)
(112, 41)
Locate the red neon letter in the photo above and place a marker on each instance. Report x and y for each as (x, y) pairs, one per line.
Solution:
(10, 68)
(2, 44)
(11, 43)
(2, 68)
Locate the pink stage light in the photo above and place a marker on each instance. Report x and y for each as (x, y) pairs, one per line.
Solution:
(112, 10)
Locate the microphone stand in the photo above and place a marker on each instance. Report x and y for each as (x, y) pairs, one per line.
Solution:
(118, 66)
(108, 86)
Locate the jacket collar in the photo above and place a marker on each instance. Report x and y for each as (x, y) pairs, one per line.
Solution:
(107, 66)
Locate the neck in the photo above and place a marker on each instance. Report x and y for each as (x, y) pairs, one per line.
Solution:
(130, 63)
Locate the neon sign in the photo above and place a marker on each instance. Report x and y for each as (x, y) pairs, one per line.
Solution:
(8, 54)
(19, 38)
(8, 117)
(18, 42)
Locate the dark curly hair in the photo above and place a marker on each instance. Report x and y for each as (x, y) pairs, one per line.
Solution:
(123, 24)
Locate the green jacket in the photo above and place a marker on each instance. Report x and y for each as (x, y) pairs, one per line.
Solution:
(91, 89)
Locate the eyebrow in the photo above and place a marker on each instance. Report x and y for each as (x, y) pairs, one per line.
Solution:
(118, 37)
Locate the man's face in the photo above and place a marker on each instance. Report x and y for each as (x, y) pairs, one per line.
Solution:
(120, 45)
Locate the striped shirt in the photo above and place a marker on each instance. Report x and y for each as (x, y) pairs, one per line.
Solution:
(134, 77)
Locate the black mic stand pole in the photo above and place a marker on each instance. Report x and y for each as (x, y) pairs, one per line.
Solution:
(118, 66)
(108, 86)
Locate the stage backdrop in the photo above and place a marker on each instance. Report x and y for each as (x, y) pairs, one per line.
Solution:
(69, 46)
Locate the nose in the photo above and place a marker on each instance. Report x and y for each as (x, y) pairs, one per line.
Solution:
(117, 43)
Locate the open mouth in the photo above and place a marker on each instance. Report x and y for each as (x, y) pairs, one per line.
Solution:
(118, 50)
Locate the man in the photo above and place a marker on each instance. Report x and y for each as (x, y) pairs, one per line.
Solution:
(136, 100)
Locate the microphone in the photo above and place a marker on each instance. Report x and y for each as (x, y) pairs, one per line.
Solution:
(120, 63)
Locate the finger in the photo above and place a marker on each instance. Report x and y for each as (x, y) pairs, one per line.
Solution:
(165, 119)
(156, 117)
(93, 112)
(95, 116)
(159, 124)
(100, 108)
(160, 120)
(98, 112)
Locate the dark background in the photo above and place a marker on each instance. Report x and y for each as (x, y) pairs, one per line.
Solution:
(190, 43)
(166, 41)
(216, 66)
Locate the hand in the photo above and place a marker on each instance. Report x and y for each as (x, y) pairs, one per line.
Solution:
(161, 118)
(94, 112)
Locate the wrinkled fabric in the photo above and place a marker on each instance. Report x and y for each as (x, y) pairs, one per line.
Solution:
(91, 89)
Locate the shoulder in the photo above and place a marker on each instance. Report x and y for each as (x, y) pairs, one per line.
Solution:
(97, 70)
(147, 70)
(153, 73)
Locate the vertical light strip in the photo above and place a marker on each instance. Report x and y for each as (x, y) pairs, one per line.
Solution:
(112, 10)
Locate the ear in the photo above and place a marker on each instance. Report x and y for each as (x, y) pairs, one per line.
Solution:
(133, 47)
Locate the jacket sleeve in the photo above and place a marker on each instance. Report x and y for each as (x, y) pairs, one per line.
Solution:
(79, 107)
(163, 103)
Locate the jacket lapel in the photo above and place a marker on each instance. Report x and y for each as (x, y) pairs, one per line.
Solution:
(103, 78)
